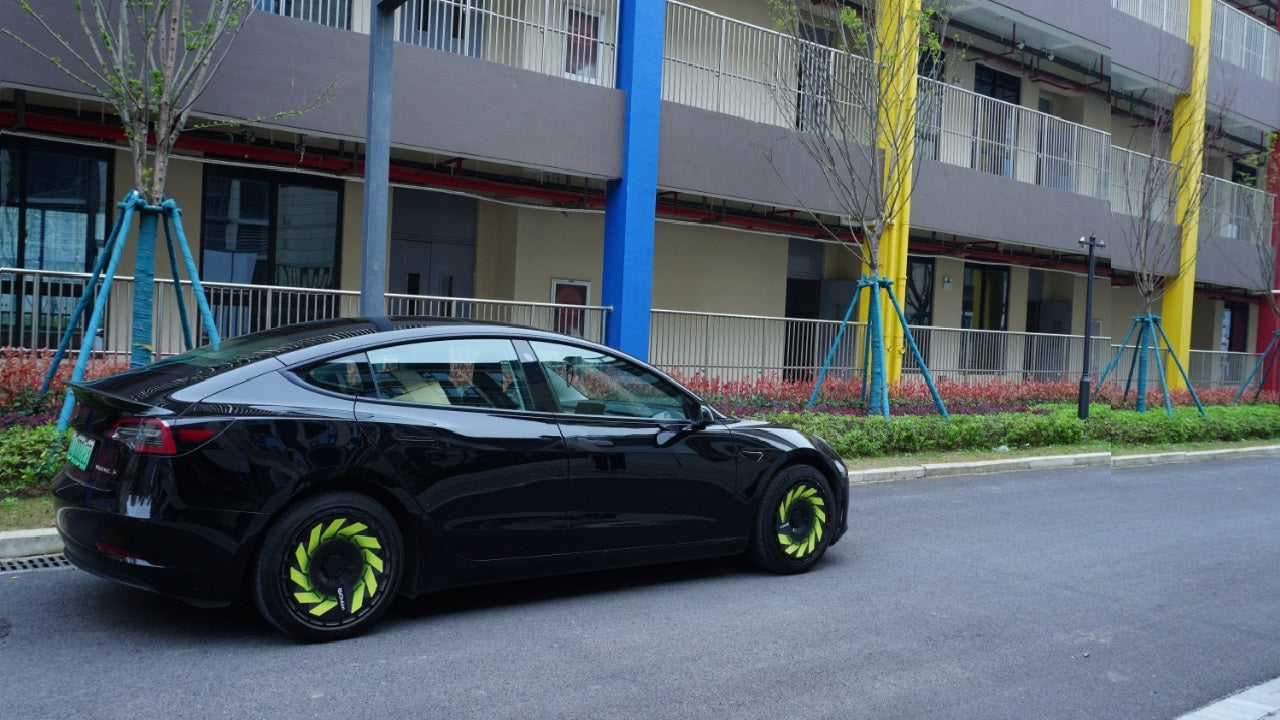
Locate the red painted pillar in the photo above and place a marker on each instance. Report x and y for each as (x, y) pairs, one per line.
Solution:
(1268, 322)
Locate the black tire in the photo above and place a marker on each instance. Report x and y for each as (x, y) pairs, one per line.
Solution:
(329, 567)
(793, 521)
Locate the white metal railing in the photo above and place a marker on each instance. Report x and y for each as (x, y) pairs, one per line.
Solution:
(1168, 15)
(1233, 210)
(1214, 368)
(960, 127)
(576, 39)
(334, 13)
(717, 63)
(1245, 41)
(749, 347)
(37, 306)
(966, 355)
(1142, 185)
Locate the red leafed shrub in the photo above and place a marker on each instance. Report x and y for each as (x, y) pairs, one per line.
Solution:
(21, 373)
(912, 397)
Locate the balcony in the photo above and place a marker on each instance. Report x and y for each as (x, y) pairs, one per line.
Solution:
(1236, 211)
(577, 41)
(716, 63)
(1142, 185)
(1245, 41)
(963, 128)
(1168, 15)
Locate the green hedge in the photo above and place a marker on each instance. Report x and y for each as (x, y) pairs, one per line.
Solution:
(30, 457)
(26, 467)
(857, 436)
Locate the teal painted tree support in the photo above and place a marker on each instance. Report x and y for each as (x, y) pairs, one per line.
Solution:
(875, 388)
(1267, 358)
(98, 290)
(1150, 336)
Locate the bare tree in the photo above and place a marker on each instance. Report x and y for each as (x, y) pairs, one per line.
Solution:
(1160, 177)
(1158, 199)
(150, 60)
(849, 88)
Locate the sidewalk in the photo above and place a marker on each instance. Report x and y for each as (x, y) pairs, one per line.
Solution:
(45, 541)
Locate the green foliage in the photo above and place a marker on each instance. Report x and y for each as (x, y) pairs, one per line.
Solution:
(30, 457)
(856, 436)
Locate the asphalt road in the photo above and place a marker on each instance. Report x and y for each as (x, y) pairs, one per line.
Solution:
(1079, 593)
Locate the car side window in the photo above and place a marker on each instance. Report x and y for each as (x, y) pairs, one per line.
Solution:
(464, 372)
(348, 375)
(588, 382)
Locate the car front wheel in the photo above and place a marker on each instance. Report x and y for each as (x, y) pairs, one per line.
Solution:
(792, 529)
(329, 567)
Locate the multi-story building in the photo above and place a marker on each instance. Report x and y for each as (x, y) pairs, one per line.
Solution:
(676, 205)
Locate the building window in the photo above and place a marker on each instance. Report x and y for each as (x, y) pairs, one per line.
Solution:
(582, 44)
(269, 230)
(53, 206)
(918, 304)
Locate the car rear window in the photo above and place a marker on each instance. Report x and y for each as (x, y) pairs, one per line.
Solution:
(151, 381)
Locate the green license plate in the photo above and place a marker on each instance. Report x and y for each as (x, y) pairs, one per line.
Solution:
(80, 450)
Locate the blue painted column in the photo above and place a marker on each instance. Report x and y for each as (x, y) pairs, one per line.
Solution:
(630, 203)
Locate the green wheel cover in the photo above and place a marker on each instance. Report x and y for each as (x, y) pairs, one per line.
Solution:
(307, 595)
(801, 497)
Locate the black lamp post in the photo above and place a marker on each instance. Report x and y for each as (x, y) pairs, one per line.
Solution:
(1093, 244)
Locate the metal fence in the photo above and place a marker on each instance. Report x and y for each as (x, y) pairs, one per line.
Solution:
(36, 307)
(733, 347)
(959, 127)
(975, 355)
(1245, 41)
(334, 13)
(1168, 15)
(1233, 210)
(1211, 368)
(717, 63)
(1142, 185)
(576, 40)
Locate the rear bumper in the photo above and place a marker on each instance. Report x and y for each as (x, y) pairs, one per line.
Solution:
(198, 556)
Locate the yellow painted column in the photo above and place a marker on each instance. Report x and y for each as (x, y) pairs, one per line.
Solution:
(1187, 151)
(898, 57)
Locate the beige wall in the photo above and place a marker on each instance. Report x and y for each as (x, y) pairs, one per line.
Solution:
(551, 244)
(948, 304)
(706, 269)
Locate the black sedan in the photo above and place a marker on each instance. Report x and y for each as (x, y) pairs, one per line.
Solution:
(323, 469)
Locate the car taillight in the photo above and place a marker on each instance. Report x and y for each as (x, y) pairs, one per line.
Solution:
(145, 435)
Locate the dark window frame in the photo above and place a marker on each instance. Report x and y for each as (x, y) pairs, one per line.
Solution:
(23, 148)
(275, 180)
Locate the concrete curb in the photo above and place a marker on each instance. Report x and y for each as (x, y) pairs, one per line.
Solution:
(46, 541)
(929, 470)
(29, 543)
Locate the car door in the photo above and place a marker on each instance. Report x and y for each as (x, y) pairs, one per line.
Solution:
(454, 418)
(645, 468)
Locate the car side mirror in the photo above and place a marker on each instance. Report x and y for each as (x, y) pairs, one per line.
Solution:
(704, 418)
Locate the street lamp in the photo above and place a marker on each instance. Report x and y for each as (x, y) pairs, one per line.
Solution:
(1093, 244)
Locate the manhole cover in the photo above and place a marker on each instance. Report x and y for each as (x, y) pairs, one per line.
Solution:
(39, 562)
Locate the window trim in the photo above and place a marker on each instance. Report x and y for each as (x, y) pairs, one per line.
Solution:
(275, 180)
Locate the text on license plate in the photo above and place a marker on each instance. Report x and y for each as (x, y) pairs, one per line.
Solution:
(80, 450)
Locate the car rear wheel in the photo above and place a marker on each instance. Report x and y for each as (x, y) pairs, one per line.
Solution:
(329, 567)
(792, 522)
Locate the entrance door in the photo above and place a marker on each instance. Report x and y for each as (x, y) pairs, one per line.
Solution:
(432, 247)
(801, 345)
(996, 123)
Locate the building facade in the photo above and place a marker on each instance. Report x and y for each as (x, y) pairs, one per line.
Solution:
(636, 159)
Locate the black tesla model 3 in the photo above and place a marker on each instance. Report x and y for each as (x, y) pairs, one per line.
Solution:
(323, 469)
